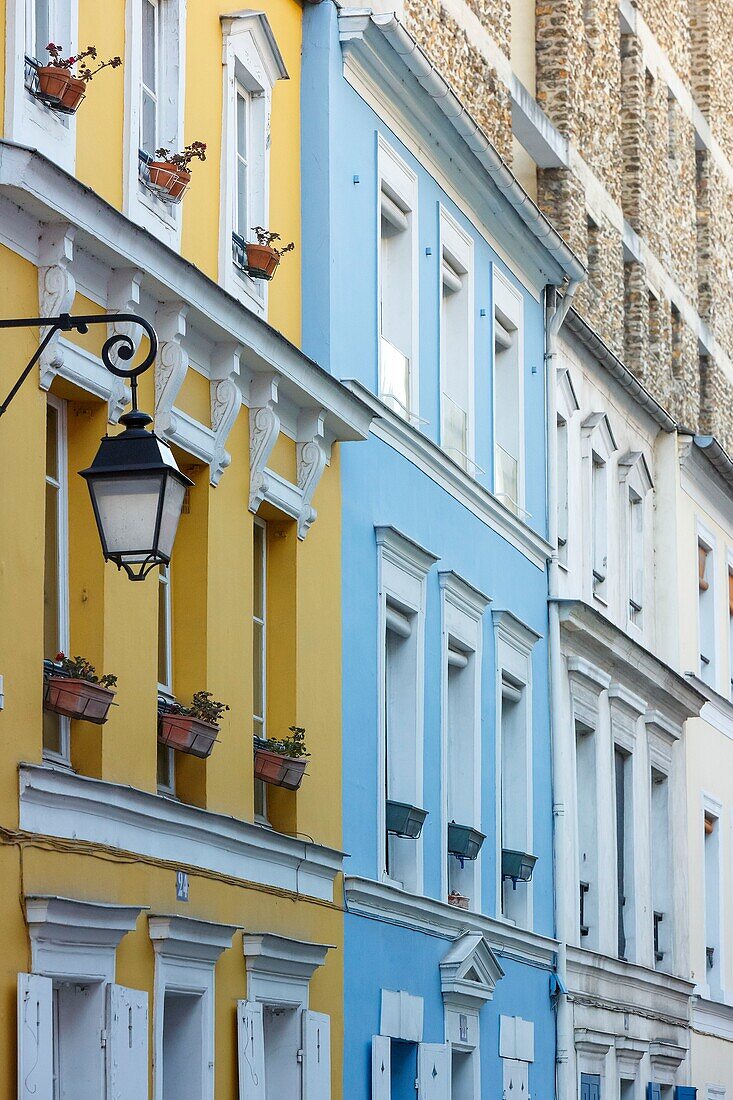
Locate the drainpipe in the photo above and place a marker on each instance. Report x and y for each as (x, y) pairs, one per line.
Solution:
(561, 844)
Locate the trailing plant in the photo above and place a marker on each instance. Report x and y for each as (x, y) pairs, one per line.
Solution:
(84, 72)
(195, 151)
(293, 746)
(267, 238)
(79, 668)
(204, 707)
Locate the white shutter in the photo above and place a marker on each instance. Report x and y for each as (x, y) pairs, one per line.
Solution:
(251, 1046)
(35, 1037)
(316, 1056)
(434, 1071)
(516, 1077)
(381, 1067)
(127, 1042)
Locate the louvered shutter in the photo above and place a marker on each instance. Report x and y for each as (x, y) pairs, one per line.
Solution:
(434, 1071)
(35, 1037)
(127, 1042)
(653, 1091)
(685, 1092)
(316, 1056)
(381, 1067)
(251, 1049)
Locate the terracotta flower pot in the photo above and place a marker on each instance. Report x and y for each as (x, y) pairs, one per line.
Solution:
(53, 81)
(169, 178)
(280, 771)
(73, 94)
(80, 699)
(187, 734)
(262, 261)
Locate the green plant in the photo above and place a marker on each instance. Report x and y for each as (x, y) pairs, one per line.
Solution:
(293, 746)
(182, 160)
(267, 237)
(79, 668)
(85, 73)
(204, 707)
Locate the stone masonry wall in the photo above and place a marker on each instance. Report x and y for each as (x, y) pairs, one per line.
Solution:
(602, 91)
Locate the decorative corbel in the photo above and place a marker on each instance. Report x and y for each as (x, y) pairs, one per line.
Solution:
(264, 428)
(123, 296)
(226, 401)
(312, 454)
(170, 370)
(56, 289)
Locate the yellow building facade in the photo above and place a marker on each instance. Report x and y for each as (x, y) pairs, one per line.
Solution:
(171, 926)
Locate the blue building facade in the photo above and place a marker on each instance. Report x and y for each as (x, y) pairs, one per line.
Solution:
(426, 279)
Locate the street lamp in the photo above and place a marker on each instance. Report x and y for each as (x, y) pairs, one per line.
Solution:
(136, 488)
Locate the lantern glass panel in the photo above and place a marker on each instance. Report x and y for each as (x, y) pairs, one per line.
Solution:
(175, 491)
(127, 508)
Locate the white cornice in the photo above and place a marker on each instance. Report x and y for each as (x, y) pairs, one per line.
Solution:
(258, 25)
(379, 901)
(73, 938)
(62, 804)
(463, 594)
(432, 461)
(514, 631)
(712, 1018)
(189, 939)
(404, 551)
(469, 971)
(34, 191)
(605, 982)
(266, 953)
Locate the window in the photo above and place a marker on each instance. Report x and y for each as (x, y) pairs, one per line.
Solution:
(623, 790)
(259, 650)
(590, 1086)
(462, 611)
(56, 567)
(514, 643)
(712, 895)
(456, 341)
(252, 66)
(730, 630)
(398, 283)
(678, 342)
(563, 488)
(508, 394)
(594, 256)
(635, 556)
(166, 758)
(586, 802)
(182, 1046)
(40, 28)
(599, 524)
(706, 610)
(661, 870)
(149, 83)
(402, 567)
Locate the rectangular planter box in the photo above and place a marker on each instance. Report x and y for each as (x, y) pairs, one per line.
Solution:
(464, 841)
(518, 866)
(75, 698)
(278, 770)
(187, 734)
(405, 820)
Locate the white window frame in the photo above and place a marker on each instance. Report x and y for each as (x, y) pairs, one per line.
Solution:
(514, 643)
(253, 64)
(509, 302)
(402, 569)
(729, 574)
(261, 524)
(139, 204)
(399, 183)
(61, 484)
(713, 807)
(635, 485)
(186, 952)
(462, 610)
(599, 447)
(165, 690)
(458, 247)
(27, 120)
(706, 538)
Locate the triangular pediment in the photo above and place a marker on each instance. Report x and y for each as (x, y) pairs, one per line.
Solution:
(469, 970)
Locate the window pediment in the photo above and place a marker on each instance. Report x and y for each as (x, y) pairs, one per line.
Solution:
(633, 466)
(469, 971)
(597, 427)
(256, 45)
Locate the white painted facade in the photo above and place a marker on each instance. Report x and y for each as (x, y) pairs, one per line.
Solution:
(619, 726)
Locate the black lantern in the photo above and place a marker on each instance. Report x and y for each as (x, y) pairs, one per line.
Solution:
(136, 488)
(137, 494)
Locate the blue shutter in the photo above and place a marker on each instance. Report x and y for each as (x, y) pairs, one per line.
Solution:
(653, 1091)
(685, 1092)
(590, 1086)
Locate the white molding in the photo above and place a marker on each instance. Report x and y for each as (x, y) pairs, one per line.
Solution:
(453, 237)
(34, 191)
(76, 939)
(468, 599)
(507, 297)
(196, 941)
(470, 951)
(62, 804)
(634, 462)
(599, 422)
(380, 901)
(279, 969)
(511, 630)
(431, 460)
(712, 1018)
